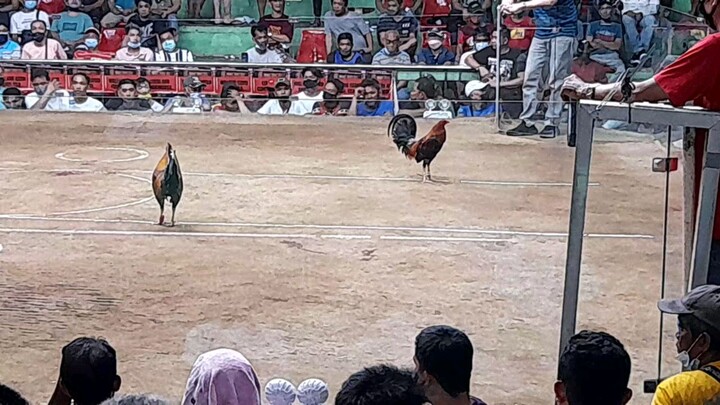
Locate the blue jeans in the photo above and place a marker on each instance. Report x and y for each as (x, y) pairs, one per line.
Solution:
(640, 41)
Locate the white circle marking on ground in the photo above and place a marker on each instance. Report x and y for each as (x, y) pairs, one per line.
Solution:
(141, 154)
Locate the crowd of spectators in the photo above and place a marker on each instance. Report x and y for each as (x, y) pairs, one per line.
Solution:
(594, 369)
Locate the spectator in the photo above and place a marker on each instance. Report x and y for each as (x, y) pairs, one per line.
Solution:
(222, 10)
(146, 23)
(391, 53)
(145, 93)
(340, 20)
(425, 88)
(553, 45)
(8, 7)
(42, 47)
(380, 385)
(120, 12)
(436, 12)
(21, 21)
(222, 376)
(698, 346)
(371, 104)
(279, 103)
(134, 51)
(481, 103)
(605, 37)
(88, 373)
(278, 25)
(594, 370)
(51, 7)
(94, 8)
(166, 11)
(402, 21)
(168, 50)
(230, 98)
(193, 101)
(41, 83)
(71, 26)
(443, 365)
(522, 30)
(127, 98)
(9, 49)
(436, 53)
(344, 54)
(480, 41)
(9, 396)
(331, 103)
(260, 53)
(642, 13)
(137, 400)
(311, 93)
(12, 99)
(79, 101)
(88, 49)
(474, 16)
(512, 70)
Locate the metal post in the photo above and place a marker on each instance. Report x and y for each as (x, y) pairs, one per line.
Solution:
(707, 200)
(581, 177)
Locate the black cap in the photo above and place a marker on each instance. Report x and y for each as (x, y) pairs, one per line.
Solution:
(475, 7)
(436, 33)
(701, 302)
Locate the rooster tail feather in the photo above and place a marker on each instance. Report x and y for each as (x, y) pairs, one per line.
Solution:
(403, 129)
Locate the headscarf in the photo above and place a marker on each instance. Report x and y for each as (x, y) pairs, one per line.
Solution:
(222, 377)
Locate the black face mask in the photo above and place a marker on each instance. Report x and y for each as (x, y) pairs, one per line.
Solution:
(38, 36)
(2, 81)
(709, 20)
(330, 100)
(4, 38)
(310, 83)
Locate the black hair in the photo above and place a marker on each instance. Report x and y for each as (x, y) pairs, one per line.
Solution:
(39, 73)
(87, 78)
(346, 35)
(9, 396)
(133, 27)
(126, 81)
(344, 1)
(12, 91)
(503, 34)
(257, 29)
(338, 84)
(370, 82)
(39, 21)
(137, 2)
(142, 80)
(446, 354)
(595, 369)
(380, 385)
(315, 71)
(88, 370)
(697, 327)
(225, 93)
(481, 31)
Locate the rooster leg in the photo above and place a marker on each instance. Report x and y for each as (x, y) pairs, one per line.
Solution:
(424, 174)
(172, 218)
(162, 211)
(428, 175)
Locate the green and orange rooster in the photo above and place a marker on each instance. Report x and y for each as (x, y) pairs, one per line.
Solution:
(403, 129)
(167, 183)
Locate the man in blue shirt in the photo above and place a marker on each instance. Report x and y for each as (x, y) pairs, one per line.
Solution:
(552, 47)
(345, 55)
(481, 104)
(605, 38)
(436, 54)
(70, 27)
(371, 105)
(9, 49)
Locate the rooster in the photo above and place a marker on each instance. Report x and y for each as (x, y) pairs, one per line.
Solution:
(403, 130)
(167, 183)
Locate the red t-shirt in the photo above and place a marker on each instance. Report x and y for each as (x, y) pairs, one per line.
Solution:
(433, 9)
(694, 77)
(521, 33)
(52, 6)
(87, 55)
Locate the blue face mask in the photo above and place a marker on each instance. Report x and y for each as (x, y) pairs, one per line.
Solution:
(169, 45)
(91, 43)
(31, 4)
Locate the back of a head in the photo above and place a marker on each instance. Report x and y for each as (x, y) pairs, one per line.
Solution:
(380, 385)
(446, 354)
(137, 399)
(595, 369)
(9, 396)
(89, 370)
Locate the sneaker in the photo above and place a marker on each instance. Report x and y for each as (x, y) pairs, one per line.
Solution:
(549, 132)
(522, 130)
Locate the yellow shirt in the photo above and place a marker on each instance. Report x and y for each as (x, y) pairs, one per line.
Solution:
(688, 388)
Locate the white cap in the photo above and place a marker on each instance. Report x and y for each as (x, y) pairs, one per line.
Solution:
(280, 392)
(473, 85)
(313, 392)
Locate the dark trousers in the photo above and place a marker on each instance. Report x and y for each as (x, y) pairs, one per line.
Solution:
(714, 269)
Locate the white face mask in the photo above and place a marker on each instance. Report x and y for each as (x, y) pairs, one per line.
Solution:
(479, 46)
(434, 43)
(688, 364)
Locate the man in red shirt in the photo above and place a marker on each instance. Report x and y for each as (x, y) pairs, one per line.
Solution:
(693, 77)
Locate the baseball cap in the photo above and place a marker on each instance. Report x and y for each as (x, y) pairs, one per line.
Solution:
(474, 7)
(92, 29)
(193, 82)
(283, 81)
(473, 85)
(702, 302)
(436, 33)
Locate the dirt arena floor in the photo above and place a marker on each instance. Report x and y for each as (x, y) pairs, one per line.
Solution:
(310, 245)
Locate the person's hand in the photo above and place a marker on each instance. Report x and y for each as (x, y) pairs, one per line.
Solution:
(574, 88)
(359, 92)
(513, 8)
(52, 87)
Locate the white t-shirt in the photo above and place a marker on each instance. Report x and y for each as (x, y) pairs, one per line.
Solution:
(69, 104)
(304, 104)
(22, 20)
(60, 98)
(269, 56)
(272, 107)
(463, 58)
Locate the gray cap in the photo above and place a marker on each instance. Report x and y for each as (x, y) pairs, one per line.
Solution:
(702, 302)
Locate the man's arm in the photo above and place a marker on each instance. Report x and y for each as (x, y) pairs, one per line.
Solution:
(409, 44)
(518, 81)
(328, 40)
(508, 7)
(14, 5)
(369, 40)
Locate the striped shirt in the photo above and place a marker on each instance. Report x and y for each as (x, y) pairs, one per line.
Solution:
(559, 20)
(179, 55)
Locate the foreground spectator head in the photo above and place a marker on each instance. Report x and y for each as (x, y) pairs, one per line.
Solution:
(9, 396)
(193, 85)
(425, 88)
(134, 37)
(370, 92)
(229, 97)
(13, 99)
(143, 399)
(311, 77)
(393, 7)
(476, 90)
(339, 7)
(380, 385)
(143, 8)
(142, 85)
(126, 89)
(481, 39)
(392, 42)
(504, 38)
(260, 37)
(39, 78)
(443, 362)
(605, 9)
(594, 370)
(92, 38)
(475, 12)
(282, 89)
(435, 39)
(168, 39)
(88, 370)
(80, 84)
(345, 44)
(222, 376)
(698, 335)
(38, 28)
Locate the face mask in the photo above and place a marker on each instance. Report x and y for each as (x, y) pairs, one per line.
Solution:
(169, 45)
(4, 38)
(310, 83)
(31, 4)
(134, 45)
(330, 100)
(40, 91)
(434, 43)
(684, 359)
(91, 43)
(38, 36)
(479, 46)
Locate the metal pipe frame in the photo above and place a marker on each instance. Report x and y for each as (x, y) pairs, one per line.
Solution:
(658, 114)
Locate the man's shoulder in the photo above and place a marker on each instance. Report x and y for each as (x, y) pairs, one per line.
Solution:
(688, 381)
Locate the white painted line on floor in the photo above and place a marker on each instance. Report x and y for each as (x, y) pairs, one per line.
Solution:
(522, 183)
(108, 208)
(441, 239)
(346, 237)
(335, 227)
(158, 233)
(140, 154)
